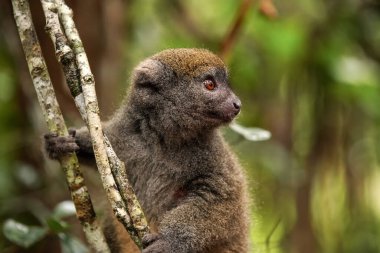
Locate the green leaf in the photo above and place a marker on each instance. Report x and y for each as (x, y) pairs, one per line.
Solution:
(70, 244)
(21, 234)
(57, 225)
(64, 209)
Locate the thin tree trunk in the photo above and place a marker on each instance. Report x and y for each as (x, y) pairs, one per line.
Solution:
(46, 97)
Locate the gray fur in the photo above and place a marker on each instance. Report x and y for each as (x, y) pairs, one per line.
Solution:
(189, 184)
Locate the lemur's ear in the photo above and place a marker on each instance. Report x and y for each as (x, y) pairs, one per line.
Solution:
(150, 73)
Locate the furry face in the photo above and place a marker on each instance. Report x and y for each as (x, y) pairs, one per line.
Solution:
(193, 86)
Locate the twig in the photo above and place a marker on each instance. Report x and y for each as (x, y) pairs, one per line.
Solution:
(271, 232)
(112, 170)
(93, 120)
(64, 54)
(268, 9)
(46, 97)
(127, 193)
(230, 37)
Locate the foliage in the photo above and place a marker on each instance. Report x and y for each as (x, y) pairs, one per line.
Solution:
(26, 236)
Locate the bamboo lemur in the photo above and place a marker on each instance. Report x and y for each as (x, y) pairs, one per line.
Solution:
(189, 184)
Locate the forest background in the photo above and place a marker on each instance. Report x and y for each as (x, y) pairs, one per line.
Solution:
(307, 71)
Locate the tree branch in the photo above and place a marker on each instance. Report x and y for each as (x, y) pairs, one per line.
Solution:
(230, 37)
(266, 8)
(119, 191)
(51, 111)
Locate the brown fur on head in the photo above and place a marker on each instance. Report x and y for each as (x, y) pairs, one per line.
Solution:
(189, 61)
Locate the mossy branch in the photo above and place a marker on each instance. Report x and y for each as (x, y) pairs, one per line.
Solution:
(51, 111)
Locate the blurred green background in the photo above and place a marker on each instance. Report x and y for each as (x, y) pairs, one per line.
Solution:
(307, 71)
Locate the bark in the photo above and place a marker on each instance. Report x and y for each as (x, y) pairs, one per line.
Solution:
(51, 111)
(120, 193)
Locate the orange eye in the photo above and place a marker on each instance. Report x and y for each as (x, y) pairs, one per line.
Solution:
(209, 84)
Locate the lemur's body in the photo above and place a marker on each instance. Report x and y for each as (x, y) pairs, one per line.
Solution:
(189, 184)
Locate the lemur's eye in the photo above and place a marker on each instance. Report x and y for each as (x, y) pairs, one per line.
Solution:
(209, 84)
